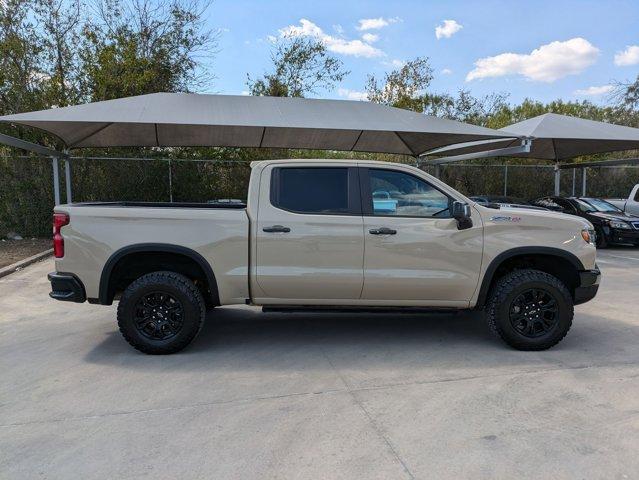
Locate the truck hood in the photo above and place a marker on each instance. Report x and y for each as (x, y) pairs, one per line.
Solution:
(525, 217)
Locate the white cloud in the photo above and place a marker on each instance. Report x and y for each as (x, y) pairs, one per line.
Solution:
(376, 23)
(370, 37)
(338, 29)
(447, 29)
(245, 93)
(593, 91)
(394, 63)
(356, 48)
(627, 57)
(352, 94)
(547, 63)
(446, 71)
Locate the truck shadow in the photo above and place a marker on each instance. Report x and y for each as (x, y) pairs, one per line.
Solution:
(248, 339)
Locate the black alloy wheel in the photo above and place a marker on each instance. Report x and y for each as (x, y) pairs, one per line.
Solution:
(534, 312)
(159, 316)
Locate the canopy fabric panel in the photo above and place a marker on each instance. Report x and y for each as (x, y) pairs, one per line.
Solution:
(556, 137)
(181, 119)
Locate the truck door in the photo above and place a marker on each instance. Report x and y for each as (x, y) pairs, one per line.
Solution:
(414, 250)
(309, 235)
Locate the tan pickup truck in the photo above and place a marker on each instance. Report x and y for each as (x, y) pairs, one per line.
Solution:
(330, 235)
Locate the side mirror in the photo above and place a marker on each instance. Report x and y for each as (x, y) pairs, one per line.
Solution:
(461, 213)
(460, 210)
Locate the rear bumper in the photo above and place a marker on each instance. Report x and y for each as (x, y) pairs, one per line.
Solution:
(588, 285)
(66, 287)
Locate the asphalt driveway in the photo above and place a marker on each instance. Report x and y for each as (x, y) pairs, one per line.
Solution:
(264, 395)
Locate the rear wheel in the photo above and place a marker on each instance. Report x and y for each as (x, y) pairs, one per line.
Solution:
(161, 312)
(530, 310)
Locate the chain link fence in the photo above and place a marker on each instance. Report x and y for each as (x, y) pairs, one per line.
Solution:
(26, 193)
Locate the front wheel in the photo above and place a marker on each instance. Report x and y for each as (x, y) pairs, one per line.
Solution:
(161, 312)
(600, 238)
(530, 310)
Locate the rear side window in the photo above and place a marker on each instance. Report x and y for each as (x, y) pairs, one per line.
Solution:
(316, 190)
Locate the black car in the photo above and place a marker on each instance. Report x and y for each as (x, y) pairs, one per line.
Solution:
(504, 201)
(611, 224)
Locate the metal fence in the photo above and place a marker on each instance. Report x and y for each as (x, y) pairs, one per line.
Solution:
(26, 194)
(533, 181)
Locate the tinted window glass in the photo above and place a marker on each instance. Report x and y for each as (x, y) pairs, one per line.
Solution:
(311, 190)
(401, 194)
(602, 206)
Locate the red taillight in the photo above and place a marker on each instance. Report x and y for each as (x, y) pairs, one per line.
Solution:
(59, 221)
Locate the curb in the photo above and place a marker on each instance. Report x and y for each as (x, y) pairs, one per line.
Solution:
(24, 262)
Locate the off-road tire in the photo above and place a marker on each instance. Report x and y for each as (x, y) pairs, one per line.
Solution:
(171, 283)
(508, 288)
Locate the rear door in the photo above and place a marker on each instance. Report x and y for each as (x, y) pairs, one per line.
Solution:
(309, 236)
(414, 252)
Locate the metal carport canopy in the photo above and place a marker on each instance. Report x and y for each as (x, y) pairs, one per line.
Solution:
(195, 120)
(553, 137)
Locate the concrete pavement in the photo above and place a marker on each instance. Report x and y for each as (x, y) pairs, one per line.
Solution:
(265, 395)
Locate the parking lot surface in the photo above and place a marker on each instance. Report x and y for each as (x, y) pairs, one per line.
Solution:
(265, 395)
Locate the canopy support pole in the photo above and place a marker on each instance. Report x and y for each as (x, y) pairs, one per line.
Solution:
(583, 182)
(67, 179)
(557, 179)
(56, 181)
(505, 180)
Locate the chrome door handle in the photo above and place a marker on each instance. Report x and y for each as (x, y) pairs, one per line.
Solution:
(382, 231)
(276, 229)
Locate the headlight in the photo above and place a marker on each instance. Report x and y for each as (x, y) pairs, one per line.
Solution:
(588, 235)
(616, 224)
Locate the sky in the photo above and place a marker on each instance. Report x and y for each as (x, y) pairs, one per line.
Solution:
(544, 50)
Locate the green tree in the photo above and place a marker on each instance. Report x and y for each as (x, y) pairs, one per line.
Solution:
(60, 22)
(20, 66)
(301, 66)
(404, 87)
(135, 47)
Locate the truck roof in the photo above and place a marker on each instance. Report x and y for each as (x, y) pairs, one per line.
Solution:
(323, 160)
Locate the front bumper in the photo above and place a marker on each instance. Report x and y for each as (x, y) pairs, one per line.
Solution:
(622, 235)
(588, 285)
(66, 287)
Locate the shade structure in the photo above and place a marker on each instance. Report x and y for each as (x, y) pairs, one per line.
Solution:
(194, 120)
(556, 137)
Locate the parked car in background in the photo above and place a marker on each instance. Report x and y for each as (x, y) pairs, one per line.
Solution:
(504, 201)
(629, 205)
(612, 225)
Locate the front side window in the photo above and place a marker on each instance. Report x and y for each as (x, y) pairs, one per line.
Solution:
(401, 194)
(311, 190)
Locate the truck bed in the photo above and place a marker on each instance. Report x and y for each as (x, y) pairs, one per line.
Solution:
(98, 230)
(232, 205)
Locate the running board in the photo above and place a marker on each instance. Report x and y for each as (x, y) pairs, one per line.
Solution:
(354, 309)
